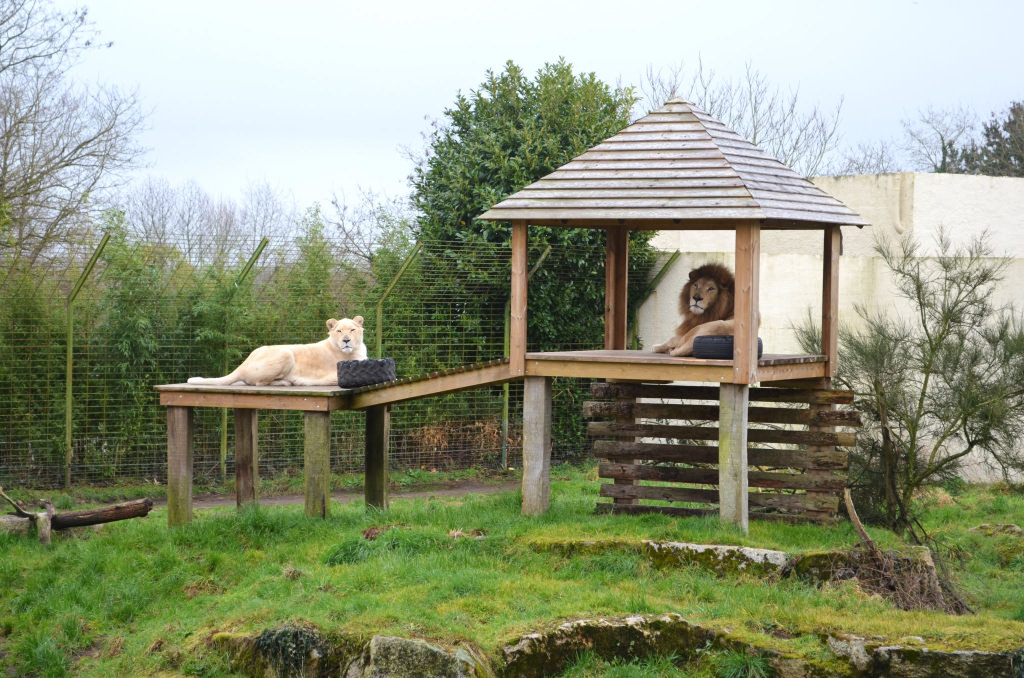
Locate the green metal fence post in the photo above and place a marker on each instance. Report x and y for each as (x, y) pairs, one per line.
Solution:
(239, 279)
(380, 302)
(507, 348)
(68, 365)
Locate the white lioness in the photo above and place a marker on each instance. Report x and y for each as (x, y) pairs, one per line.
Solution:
(299, 364)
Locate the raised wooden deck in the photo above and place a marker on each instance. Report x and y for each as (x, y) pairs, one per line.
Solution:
(647, 366)
(317, 402)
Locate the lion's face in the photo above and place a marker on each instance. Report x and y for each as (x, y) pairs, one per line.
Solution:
(346, 334)
(703, 294)
(707, 295)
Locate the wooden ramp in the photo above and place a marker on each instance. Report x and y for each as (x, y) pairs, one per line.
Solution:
(435, 383)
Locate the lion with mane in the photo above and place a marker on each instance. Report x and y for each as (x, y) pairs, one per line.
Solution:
(706, 305)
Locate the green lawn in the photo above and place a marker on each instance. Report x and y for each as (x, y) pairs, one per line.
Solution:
(136, 598)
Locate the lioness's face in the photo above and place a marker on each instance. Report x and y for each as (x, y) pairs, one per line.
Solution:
(703, 294)
(346, 334)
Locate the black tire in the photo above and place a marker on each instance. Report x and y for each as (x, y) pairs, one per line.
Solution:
(356, 373)
(718, 347)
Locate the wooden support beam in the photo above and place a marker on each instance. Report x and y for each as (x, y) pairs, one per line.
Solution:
(732, 455)
(748, 265)
(317, 483)
(830, 300)
(536, 445)
(179, 466)
(615, 282)
(517, 304)
(246, 456)
(378, 437)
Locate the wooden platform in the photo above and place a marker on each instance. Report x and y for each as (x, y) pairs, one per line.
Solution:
(317, 402)
(647, 366)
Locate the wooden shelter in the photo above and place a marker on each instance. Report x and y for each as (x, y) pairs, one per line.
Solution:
(676, 168)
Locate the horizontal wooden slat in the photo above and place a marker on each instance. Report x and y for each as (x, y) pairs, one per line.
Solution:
(709, 476)
(625, 203)
(678, 392)
(609, 183)
(609, 193)
(608, 429)
(789, 502)
(708, 454)
(773, 415)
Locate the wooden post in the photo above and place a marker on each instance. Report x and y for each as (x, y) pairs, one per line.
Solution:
(517, 300)
(732, 455)
(179, 465)
(536, 445)
(317, 484)
(378, 434)
(830, 300)
(246, 456)
(748, 258)
(627, 419)
(615, 280)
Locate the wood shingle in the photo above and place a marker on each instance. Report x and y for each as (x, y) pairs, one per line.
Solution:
(675, 168)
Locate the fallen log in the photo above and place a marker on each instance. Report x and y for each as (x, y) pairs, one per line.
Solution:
(49, 520)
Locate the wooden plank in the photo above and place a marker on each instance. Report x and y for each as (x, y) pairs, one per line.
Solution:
(789, 502)
(312, 391)
(818, 458)
(255, 401)
(606, 429)
(517, 304)
(772, 373)
(616, 272)
(626, 370)
(317, 482)
(772, 415)
(246, 456)
(732, 456)
(378, 440)
(834, 482)
(710, 393)
(830, 300)
(609, 191)
(747, 316)
(620, 202)
(179, 465)
(536, 445)
(445, 383)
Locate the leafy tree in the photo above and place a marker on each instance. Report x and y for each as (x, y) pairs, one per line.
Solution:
(936, 384)
(1001, 149)
(61, 144)
(507, 134)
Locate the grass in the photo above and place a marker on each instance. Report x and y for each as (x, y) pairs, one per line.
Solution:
(136, 598)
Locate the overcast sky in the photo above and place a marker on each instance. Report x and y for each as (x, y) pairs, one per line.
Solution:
(321, 97)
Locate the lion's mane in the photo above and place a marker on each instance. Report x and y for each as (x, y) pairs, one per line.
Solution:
(723, 307)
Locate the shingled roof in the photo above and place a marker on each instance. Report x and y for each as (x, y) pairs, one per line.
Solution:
(675, 168)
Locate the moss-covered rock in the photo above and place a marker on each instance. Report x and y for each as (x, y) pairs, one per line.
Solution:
(723, 560)
(541, 654)
(991, 530)
(873, 657)
(392, 657)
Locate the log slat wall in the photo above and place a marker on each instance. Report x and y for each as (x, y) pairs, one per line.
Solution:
(667, 451)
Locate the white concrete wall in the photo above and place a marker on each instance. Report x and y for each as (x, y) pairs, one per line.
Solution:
(791, 261)
(791, 264)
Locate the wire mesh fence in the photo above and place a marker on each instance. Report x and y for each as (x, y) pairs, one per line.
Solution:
(76, 396)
